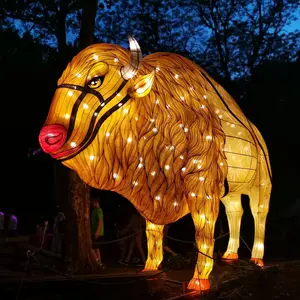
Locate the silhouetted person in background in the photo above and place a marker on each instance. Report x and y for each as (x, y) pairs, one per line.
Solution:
(1, 222)
(97, 229)
(135, 226)
(58, 231)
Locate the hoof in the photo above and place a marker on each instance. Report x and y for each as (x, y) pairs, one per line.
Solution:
(202, 285)
(229, 257)
(258, 261)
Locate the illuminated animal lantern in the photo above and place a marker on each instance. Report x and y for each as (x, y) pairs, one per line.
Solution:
(162, 133)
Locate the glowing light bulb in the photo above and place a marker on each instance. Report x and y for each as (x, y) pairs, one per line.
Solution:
(140, 166)
(172, 148)
(96, 114)
(186, 129)
(195, 161)
(191, 88)
(70, 93)
(232, 125)
(202, 216)
(115, 59)
(92, 157)
(120, 104)
(78, 75)
(181, 125)
(182, 98)
(135, 183)
(202, 106)
(176, 76)
(201, 178)
(85, 106)
(115, 175)
(141, 159)
(239, 133)
(207, 264)
(204, 246)
(193, 194)
(153, 173)
(119, 95)
(95, 57)
(67, 116)
(205, 97)
(157, 198)
(197, 282)
(125, 111)
(73, 144)
(107, 134)
(129, 140)
(220, 116)
(183, 169)
(208, 137)
(152, 120)
(217, 111)
(155, 130)
(181, 157)
(175, 203)
(157, 101)
(208, 197)
(221, 164)
(168, 106)
(157, 69)
(167, 167)
(260, 246)
(199, 167)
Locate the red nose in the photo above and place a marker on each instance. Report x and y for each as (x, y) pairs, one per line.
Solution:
(52, 138)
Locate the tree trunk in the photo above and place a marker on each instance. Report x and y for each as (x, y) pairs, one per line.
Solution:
(78, 244)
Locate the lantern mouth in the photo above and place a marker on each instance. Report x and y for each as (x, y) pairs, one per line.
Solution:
(52, 138)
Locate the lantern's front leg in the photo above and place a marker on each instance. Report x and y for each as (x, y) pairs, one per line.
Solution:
(204, 226)
(155, 250)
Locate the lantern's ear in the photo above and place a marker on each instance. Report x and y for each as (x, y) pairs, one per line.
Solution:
(142, 85)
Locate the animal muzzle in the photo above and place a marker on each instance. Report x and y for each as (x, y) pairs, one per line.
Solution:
(52, 138)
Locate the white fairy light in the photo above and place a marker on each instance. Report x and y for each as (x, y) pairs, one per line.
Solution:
(239, 133)
(183, 169)
(92, 157)
(129, 140)
(157, 198)
(157, 69)
(116, 59)
(107, 134)
(209, 138)
(120, 104)
(181, 157)
(70, 93)
(78, 75)
(176, 76)
(157, 101)
(153, 173)
(140, 166)
(193, 194)
(186, 129)
(125, 111)
(175, 203)
(220, 116)
(95, 57)
(152, 120)
(135, 183)
(221, 164)
(95, 114)
(202, 106)
(167, 167)
(155, 130)
(85, 106)
(205, 97)
(102, 104)
(73, 144)
(67, 116)
(201, 178)
(182, 98)
(181, 125)
(115, 175)
(172, 148)
(232, 125)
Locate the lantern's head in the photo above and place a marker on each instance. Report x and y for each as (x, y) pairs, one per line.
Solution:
(97, 82)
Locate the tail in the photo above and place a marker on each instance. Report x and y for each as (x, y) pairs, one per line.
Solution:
(265, 172)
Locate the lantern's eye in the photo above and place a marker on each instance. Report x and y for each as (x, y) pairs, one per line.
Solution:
(95, 82)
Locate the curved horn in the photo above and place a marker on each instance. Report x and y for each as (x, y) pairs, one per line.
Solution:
(135, 60)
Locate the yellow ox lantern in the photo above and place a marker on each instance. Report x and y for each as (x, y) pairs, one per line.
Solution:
(162, 133)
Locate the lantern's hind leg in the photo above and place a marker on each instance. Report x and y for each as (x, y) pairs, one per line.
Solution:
(204, 216)
(234, 212)
(154, 241)
(259, 204)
